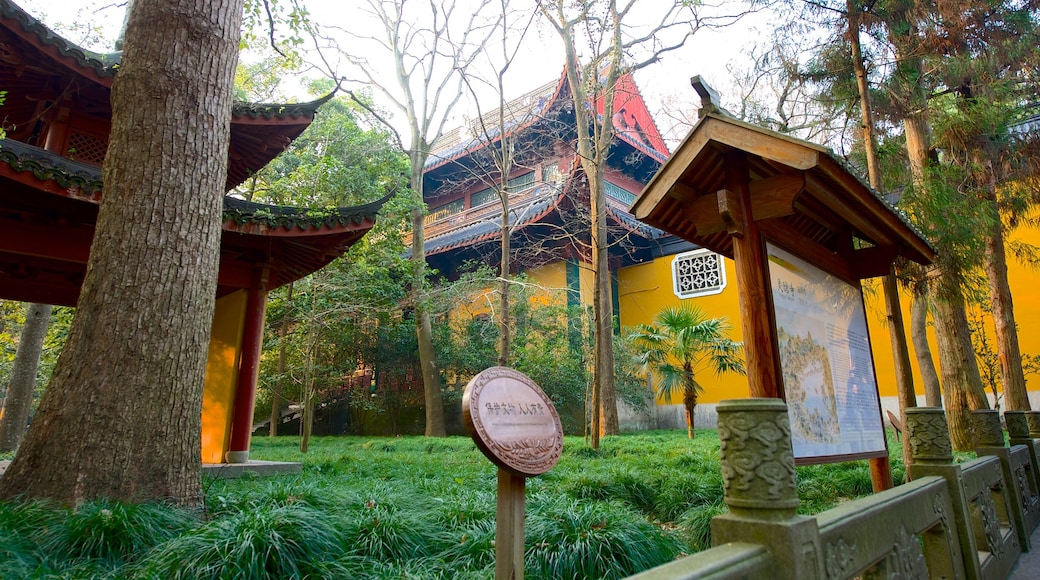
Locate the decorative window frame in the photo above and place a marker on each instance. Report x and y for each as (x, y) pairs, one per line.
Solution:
(700, 260)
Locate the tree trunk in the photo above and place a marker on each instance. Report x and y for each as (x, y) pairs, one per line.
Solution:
(1012, 377)
(18, 401)
(690, 402)
(960, 372)
(423, 327)
(923, 351)
(121, 419)
(504, 326)
(276, 394)
(603, 311)
(893, 310)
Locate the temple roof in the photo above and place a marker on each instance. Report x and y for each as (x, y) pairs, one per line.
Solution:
(43, 72)
(49, 204)
(58, 94)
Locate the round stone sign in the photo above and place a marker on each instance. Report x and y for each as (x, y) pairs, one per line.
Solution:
(512, 421)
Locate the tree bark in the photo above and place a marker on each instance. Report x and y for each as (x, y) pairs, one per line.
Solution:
(925, 364)
(1012, 377)
(960, 372)
(121, 418)
(893, 309)
(18, 401)
(423, 327)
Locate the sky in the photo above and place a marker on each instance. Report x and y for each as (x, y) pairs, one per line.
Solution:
(665, 85)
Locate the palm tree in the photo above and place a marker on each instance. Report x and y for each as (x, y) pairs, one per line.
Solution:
(681, 344)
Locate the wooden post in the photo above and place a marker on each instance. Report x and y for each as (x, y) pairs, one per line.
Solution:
(509, 527)
(881, 473)
(754, 294)
(245, 388)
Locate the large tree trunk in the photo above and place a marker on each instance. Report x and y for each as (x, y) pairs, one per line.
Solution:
(121, 418)
(18, 400)
(1012, 377)
(923, 351)
(960, 372)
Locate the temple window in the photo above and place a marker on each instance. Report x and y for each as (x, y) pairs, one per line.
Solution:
(698, 273)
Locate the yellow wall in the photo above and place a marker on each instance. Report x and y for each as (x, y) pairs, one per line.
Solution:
(221, 375)
(1025, 289)
(646, 289)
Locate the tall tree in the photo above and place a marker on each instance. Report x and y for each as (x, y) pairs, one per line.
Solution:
(122, 413)
(14, 412)
(496, 133)
(593, 80)
(428, 49)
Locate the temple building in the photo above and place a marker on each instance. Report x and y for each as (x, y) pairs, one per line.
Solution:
(57, 117)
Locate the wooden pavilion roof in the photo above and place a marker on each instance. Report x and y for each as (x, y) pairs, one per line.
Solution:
(801, 193)
(49, 197)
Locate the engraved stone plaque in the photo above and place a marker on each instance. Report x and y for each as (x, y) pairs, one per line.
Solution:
(512, 421)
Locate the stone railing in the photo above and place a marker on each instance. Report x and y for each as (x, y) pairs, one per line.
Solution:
(953, 520)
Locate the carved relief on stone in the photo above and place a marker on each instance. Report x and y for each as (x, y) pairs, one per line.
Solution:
(839, 558)
(756, 456)
(1017, 425)
(928, 435)
(1033, 420)
(907, 558)
(987, 512)
(986, 429)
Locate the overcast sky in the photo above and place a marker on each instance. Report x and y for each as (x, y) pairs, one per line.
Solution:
(664, 85)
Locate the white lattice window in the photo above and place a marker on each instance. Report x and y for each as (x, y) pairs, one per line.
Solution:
(698, 273)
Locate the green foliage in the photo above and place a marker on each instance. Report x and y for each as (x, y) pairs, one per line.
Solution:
(573, 539)
(290, 541)
(409, 507)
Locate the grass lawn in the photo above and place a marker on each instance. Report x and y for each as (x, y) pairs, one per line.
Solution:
(409, 507)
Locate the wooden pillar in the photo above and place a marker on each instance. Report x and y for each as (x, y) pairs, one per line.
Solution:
(754, 294)
(245, 389)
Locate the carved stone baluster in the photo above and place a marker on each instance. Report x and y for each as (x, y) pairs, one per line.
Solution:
(1025, 464)
(928, 436)
(760, 488)
(989, 440)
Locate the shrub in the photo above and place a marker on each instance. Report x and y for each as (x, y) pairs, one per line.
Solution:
(284, 541)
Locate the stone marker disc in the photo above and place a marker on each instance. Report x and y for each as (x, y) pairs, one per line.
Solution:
(512, 421)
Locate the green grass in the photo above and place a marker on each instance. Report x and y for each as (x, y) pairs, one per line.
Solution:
(408, 507)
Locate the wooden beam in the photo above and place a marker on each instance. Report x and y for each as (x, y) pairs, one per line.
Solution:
(793, 240)
(775, 196)
(732, 212)
(872, 262)
(756, 141)
(861, 218)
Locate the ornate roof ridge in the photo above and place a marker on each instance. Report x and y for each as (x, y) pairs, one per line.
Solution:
(280, 110)
(70, 174)
(104, 64)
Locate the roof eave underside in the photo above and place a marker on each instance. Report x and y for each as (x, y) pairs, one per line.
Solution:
(697, 167)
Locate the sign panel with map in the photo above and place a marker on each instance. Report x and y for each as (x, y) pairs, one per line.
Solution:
(828, 372)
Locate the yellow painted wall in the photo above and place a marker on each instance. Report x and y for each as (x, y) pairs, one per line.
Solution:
(646, 289)
(553, 280)
(1025, 289)
(221, 375)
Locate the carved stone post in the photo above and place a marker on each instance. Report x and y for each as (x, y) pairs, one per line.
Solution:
(1027, 468)
(928, 436)
(760, 487)
(989, 438)
(1033, 420)
(986, 429)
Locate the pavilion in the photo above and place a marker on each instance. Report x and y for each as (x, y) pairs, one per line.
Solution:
(57, 117)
